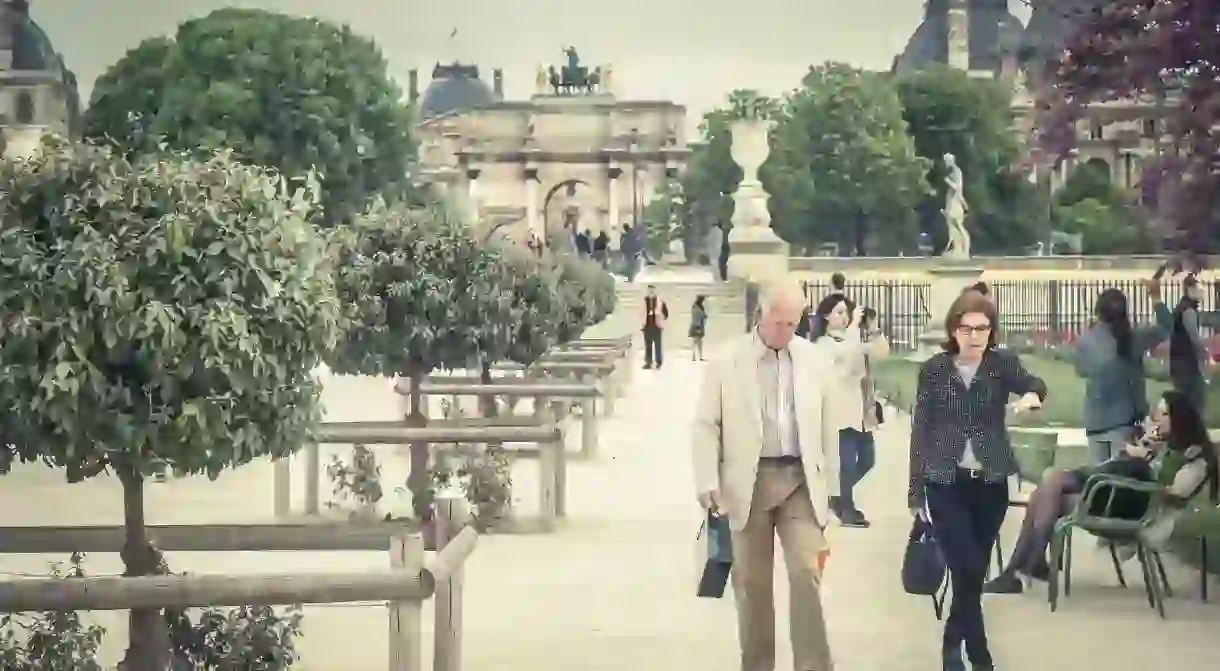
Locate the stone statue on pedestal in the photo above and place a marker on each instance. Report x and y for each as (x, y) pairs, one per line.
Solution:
(955, 212)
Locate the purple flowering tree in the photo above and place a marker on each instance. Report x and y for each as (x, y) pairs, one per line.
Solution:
(1166, 51)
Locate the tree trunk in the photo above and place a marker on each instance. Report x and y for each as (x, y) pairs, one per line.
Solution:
(148, 647)
(419, 478)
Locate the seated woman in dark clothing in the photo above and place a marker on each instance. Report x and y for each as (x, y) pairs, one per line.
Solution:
(1177, 428)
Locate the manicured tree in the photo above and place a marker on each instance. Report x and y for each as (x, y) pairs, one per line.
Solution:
(587, 293)
(419, 294)
(292, 92)
(1164, 51)
(159, 313)
(842, 167)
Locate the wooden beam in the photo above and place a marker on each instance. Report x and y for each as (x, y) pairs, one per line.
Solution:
(342, 433)
(198, 591)
(525, 389)
(320, 537)
(440, 566)
(601, 366)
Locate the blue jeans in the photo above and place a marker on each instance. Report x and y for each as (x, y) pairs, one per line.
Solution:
(857, 456)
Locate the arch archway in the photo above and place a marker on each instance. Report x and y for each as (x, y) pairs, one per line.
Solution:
(568, 184)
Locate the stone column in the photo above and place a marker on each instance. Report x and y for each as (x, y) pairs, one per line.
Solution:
(756, 253)
(959, 35)
(949, 278)
(531, 201)
(472, 175)
(613, 216)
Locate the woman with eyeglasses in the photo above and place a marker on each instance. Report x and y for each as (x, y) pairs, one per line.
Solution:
(961, 460)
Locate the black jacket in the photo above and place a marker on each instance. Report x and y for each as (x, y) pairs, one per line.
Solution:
(947, 414)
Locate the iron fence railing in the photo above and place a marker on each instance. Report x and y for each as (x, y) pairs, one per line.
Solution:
(1050, 310)
(901, 305)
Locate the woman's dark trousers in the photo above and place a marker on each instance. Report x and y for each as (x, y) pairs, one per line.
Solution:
(966, 518)
(857, 456)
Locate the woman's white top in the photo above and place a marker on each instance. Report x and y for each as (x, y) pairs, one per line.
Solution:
(848, 354)
(967, 372)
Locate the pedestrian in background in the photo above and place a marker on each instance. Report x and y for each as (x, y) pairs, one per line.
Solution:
(839, 329)
(698, 327)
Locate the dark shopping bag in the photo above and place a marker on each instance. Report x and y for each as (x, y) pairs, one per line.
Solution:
(714, 548)
(923, 565)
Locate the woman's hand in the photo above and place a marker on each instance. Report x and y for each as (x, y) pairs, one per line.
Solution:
(1137, 451)
(1028, 402)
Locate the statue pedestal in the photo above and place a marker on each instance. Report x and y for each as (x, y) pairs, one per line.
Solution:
(756, 254)
(949, 278)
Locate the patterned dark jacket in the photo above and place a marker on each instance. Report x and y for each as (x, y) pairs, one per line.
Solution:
(947, 414)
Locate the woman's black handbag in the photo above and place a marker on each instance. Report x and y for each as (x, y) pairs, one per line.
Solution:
(923, 565)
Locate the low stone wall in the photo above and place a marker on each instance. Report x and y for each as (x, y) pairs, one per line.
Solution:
(995, 267)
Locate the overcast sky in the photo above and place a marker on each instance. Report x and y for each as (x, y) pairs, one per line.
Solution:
(689, 51)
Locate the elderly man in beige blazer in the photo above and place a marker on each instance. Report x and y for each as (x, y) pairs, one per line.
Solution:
(766, 455)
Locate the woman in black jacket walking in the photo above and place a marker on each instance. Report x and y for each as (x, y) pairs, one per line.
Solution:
(961, 460)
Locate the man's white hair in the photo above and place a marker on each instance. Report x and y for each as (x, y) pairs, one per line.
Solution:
(784, 291)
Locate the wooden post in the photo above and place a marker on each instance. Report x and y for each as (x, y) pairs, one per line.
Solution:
(588, 422)
(406, 626)
(313, 479)
(610, 392)
(452, 516)
(549, 480)
(283, 486)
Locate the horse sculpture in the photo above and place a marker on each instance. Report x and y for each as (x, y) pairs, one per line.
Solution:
(573, 78)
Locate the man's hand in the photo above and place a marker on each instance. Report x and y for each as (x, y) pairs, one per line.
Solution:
(710, 500)
(1027, 402)
(857, 316)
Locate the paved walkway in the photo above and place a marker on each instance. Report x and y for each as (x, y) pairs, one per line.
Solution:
(612, 590)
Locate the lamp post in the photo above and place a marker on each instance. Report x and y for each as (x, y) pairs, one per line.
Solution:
(635, 182)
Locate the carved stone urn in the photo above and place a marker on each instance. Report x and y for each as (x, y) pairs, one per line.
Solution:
(750, 146)
(756, 252)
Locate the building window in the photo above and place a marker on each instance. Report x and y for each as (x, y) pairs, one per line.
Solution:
(25, 107)
(1096, 131)
(1150, 128)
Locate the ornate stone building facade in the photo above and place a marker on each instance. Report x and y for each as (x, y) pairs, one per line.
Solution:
(572, 157)
(38, 93)
(982, 36)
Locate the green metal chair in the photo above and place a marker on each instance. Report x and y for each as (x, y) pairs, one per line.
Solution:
(1098, 495)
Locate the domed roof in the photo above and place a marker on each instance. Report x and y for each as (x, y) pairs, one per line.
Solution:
(32, 49)
(454, 88)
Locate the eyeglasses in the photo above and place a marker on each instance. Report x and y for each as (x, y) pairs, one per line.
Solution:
(967, 329)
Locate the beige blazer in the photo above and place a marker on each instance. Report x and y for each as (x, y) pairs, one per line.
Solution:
(727, 437)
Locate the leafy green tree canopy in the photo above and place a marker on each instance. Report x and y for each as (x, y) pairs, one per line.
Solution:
(420, 294)
(710, 178)
(842, 167)
(293, 93)
(1106, 217)
(161, 310)
(948, 111)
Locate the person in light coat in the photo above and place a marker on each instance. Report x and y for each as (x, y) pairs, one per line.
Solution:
(847, 332)
(765, 445)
